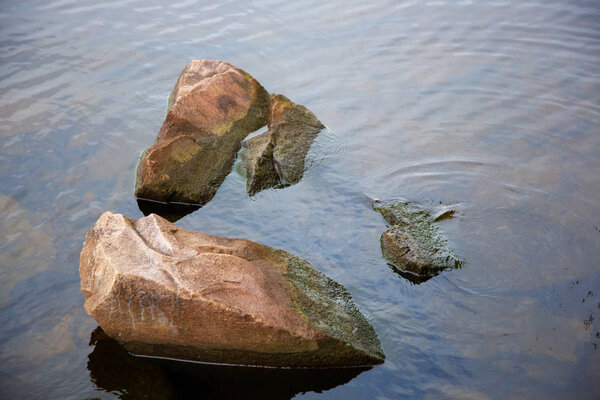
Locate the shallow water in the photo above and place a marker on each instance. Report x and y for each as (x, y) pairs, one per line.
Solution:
(490, 107)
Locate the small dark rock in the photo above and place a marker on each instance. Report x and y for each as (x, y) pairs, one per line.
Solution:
(414, 244)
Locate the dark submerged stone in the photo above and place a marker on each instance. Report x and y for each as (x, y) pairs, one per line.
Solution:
(414, 244)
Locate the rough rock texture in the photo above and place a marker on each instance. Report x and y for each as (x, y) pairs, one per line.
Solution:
(212, 108)
(413, 243)
(163, 291)
(275, 158)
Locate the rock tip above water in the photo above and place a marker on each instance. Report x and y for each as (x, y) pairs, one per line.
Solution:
(413, 243)
(163, 291)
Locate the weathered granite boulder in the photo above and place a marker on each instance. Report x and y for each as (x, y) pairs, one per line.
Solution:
(275, 158)
(160, 290)
(414, 244)
(212, 108)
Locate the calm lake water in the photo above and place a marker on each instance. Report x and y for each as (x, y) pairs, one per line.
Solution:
(490, 107)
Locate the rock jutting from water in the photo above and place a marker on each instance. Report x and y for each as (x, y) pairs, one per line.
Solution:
(211, 109)
(414, 244)
(163, 291)
(276, 157)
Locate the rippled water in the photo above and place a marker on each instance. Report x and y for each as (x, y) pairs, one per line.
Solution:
(490, 107)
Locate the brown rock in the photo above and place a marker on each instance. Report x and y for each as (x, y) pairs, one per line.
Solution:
(212, 108)
(275, 158)
(163, 291)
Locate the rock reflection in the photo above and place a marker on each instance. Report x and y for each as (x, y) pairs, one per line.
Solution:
(412, 278)
(169, 211)
(114, 370)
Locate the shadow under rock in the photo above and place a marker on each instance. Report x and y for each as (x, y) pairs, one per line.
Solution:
(412, 278)
(114, 370)
(169, 211)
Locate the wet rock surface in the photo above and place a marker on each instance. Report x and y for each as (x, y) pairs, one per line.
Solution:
(276, 157)
(212, 108)
(414, 244)
(160, 290)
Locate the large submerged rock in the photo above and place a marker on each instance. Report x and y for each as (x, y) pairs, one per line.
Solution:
(160, 290)
(212, 108)
(276, 157)
(414, 244)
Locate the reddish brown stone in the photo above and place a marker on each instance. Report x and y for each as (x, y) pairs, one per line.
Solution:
(212, 108)
(163, 291)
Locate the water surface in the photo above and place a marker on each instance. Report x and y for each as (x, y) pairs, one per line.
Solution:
(490, 107)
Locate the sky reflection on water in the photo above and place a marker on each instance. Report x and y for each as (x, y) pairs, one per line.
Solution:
(493, 107)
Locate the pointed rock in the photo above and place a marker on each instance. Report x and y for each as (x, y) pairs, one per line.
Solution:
(160, 290)
(212, 108)
(275, 158)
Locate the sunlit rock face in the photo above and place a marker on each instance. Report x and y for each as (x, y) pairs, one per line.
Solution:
(160, 290)
(413, 243)
(276, 157)
(212, 108)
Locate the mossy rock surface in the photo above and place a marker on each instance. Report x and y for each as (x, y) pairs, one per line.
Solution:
(414, 243)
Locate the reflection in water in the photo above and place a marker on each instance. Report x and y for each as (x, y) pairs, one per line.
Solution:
(169, 211)
(418, 279)
(412, 278)
(114, 370)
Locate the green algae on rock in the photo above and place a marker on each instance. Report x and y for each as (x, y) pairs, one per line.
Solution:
(275, 158)
(162, 291)
(414, 244)
(212, 108)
